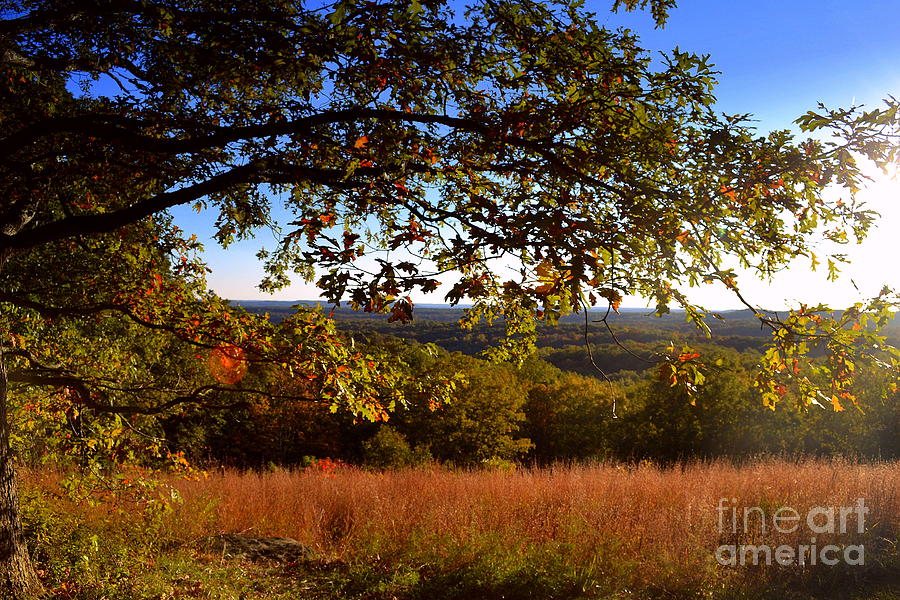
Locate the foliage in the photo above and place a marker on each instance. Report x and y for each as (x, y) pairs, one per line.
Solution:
(388, 449)
(133, 371)
(404, 140)
(480, 421)
(88, 545)
(509, 132)
(725, 418)
(568, 415)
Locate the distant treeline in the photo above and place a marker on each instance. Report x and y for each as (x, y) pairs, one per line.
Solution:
(565, 345)
(555, 406)
(539, 414)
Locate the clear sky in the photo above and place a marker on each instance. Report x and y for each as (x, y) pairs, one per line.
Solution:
(778, 59)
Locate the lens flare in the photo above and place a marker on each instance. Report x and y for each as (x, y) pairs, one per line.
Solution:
(227, 363)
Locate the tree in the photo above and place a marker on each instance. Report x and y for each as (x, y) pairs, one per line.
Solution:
(481, 420)
(568, 414)
(426, 138)
(724, 417)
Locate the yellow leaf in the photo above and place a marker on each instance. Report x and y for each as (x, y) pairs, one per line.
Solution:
(836, 404)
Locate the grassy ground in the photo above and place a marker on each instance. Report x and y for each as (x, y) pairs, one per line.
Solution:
(604, 531)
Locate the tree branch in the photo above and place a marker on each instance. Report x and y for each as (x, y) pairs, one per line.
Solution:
(196, 396)
(123, 129)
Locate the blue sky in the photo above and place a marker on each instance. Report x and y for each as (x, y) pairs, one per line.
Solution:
(778, 60)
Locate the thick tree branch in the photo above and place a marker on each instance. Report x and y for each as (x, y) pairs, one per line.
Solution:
(106, 222)
(197, 396)
(127, 131)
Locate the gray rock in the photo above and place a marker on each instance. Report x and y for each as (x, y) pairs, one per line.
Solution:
(268, 548)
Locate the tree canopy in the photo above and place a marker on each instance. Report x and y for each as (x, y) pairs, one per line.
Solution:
(550, 163)
(547, 161)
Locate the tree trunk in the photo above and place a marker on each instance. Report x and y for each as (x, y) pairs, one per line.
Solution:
(18, 579)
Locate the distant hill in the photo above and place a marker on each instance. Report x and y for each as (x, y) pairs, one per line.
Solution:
(279, 309)
(438, 324)
(637, 332)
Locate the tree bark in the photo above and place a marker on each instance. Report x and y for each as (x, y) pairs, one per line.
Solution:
(18, 579)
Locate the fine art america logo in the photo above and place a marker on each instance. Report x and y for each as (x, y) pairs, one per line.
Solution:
(828, 521)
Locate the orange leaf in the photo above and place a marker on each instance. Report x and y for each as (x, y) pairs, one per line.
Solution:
(728, 192)
(836, 404)
(361, 142)
(613, 297)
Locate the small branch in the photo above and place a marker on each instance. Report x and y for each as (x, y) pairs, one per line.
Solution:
(587, 345)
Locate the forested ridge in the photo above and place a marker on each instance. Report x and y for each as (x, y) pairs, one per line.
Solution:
(557, 405)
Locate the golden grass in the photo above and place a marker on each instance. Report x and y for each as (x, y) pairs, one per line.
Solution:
(609, 526)
(662, 520)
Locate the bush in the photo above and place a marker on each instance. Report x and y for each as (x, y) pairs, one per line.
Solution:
(388, 449)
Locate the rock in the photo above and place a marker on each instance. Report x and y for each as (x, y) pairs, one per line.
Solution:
(267, 548)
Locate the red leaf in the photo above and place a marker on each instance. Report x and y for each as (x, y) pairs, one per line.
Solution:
(401, 311)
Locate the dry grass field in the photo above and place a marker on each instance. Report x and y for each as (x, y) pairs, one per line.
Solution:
(600, 531)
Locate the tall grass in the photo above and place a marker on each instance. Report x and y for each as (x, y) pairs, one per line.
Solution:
(601, 530)
(641, 526)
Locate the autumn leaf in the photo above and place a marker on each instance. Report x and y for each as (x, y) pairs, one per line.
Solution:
(613, 297)
(361, 142)
(548, 278)
(728, 192)
(836, 403)
(544, 270)
(401, 311)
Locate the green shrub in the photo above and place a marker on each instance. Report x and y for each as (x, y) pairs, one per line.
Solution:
(388, 449)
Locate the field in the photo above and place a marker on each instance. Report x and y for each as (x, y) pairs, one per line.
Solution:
(601, 531)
